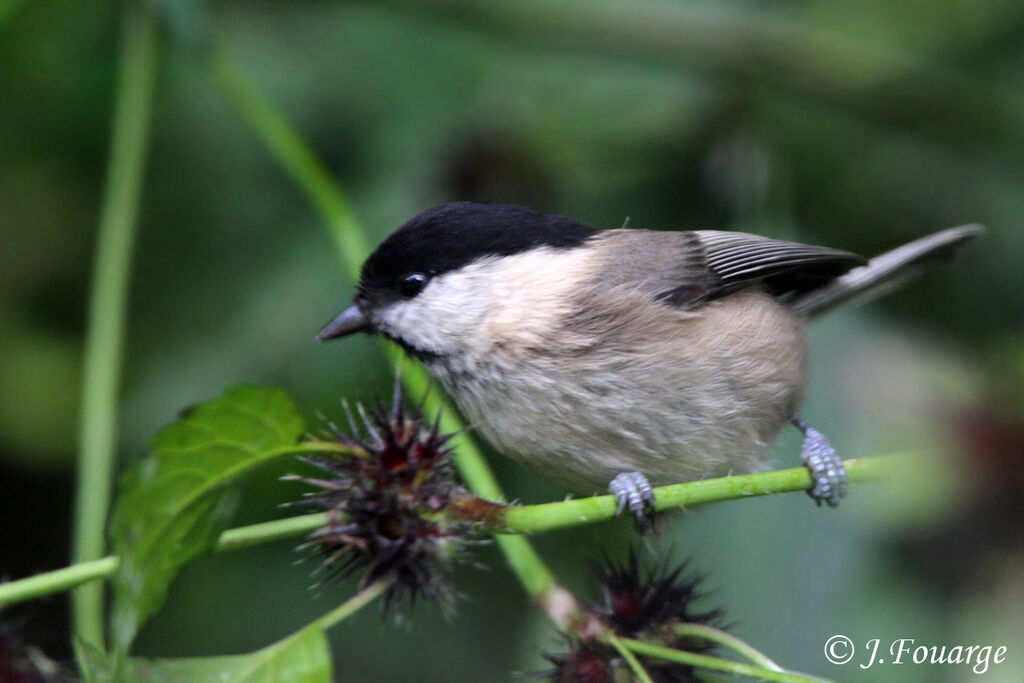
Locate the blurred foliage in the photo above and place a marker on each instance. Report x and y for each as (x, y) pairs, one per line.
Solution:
(858, 125)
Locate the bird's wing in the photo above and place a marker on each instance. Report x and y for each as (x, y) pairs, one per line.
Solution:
(689, 268)
(739, 260)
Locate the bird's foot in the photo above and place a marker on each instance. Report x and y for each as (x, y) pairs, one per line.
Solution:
(632, 490)
(824, 463)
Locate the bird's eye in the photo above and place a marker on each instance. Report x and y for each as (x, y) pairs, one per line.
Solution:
(412, 284)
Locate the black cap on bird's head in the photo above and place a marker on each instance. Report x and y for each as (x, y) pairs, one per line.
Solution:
(444, 239)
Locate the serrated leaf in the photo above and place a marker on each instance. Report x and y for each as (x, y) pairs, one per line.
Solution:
(175, 503)
(303, 658)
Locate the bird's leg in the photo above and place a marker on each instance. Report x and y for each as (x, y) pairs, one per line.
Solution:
(633, 490)
(825, 465)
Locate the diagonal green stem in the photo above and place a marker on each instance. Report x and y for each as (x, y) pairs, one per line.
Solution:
(720, 637)
(310, 175)
(296, 157)
(714, 663)
(107, 305)
(533, 574)
(631, 660)
(738, 646)
(358, 601)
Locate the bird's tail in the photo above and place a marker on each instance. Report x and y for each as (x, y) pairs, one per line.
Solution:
(883, 273)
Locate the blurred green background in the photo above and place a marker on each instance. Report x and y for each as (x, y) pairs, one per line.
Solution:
(856, 125)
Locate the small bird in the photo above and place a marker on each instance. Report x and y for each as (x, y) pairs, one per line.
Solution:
(618, 358)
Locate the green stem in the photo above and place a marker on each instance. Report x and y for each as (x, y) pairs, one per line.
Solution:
(536, 579)
(12, 592)
(468, 457)
(352, 605)
(714, 663)
(630, 658)
(505, 521)
(310, 175)
(728, 640)
(551, 516)
(107, 305)
(268, 532)
(738, 646)
(296, 157)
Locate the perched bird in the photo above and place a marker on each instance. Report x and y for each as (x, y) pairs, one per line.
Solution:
(634, 357)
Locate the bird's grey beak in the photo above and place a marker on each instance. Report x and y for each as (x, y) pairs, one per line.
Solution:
(348, 321)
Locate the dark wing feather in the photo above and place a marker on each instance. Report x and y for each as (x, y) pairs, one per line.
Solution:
(686, 269)
(739, 260)
(734, 260)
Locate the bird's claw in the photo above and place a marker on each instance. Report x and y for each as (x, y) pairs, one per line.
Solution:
(825, 465)
(632, 490)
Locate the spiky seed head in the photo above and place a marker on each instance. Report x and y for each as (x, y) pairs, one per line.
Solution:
(385, 492)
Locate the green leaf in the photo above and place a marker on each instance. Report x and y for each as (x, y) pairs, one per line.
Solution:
(175, 503)
(303, 657)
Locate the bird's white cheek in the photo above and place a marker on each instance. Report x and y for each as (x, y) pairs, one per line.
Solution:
(509, 302)
(441, 320)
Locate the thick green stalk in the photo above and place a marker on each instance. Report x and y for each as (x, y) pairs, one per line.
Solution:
(511, 519)
(107, 305)
(12, 592)
(551, 516)
(37, 586)
(309, 174)
(268, 532)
